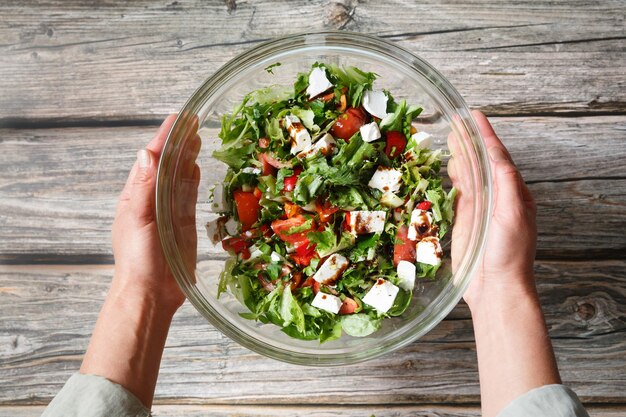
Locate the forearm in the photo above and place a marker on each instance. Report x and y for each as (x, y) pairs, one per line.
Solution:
(128, 340)
(513, 347)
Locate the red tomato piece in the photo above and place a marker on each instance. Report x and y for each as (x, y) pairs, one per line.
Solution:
(310, 282)
(396, 142)
(290, 182)
(268, 168)
(282, 227)
(325, 210)
(424, 205)
(348, 306)
(292, 209)
(404, 249)
(264, 143)
(247, 208)
(349, 123)
(235, 244)
(257, 193)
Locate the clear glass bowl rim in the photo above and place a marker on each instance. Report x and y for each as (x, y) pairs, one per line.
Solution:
(317, 40)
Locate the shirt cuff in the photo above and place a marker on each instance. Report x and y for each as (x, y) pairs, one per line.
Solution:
(94, 396)
(547, 401)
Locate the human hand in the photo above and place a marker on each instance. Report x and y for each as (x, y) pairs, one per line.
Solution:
(507, 265)
(140, 267)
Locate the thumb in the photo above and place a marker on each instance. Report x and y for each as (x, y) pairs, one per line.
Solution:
(143, 187)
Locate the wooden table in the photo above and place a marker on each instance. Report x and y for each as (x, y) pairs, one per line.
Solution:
(83, 85)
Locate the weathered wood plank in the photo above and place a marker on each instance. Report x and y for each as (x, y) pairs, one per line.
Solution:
(116, 62)
(308, 411)
(58, 187)
(48, 313)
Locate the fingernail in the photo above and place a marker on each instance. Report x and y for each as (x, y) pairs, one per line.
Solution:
(143, 158)
(497, 154)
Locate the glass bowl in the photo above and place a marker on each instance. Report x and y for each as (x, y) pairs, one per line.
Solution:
(183, 206)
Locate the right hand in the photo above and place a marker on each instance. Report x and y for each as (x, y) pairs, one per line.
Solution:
(507, 265)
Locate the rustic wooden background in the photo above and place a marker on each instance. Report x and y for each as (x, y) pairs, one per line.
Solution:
(83, 84)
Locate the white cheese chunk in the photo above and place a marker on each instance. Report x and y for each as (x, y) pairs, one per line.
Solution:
(420, 224)
(362, 222)
(219, 203)
(300, 137)
(275, 257)
(382, 295)
(327, 302)
(423, 140)
(406, 274)
(386, 179)
(231, 227)
(251, 170)
(216, 230)
(325, 145)
(428, 251)
(255, 252)
(318, 83)
(370, 132)
(331, 269)
(375, 102)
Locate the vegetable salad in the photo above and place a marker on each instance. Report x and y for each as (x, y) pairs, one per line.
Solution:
(332, 205)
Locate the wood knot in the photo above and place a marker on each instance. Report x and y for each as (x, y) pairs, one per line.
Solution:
(339, 14)
(585, 311)
(408, 364)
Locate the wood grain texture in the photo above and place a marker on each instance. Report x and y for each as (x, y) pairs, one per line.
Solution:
(305, 411)
(58, 187)
(48, 313)
(76, 62)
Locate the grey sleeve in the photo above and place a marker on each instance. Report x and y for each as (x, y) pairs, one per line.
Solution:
(546, 401)
(94, 396)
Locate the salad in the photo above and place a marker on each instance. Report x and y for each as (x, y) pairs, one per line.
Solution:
(332, 205)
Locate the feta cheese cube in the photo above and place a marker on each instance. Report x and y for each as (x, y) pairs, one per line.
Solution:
(216, 230)
(421, 224)
(325, 146)
(423, 140)
(327, 302)
(251, 170)
(332, 268)
(370, 132)
(255, 252)
(231, 227)
(428, 251)
(375, 102)
(406, 274)
(382, 295)
(300, 137)
(318, 83)
(362, 222)
(386, 179)
(275, 257)
(219, 203)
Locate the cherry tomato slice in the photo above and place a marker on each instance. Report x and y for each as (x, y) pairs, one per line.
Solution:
(247, 208)
(424, 205)
(282, 227)
(349, 123)
(289, 183)
(404, 249)
(396, 142)
(348, 306)
(325, 210)
(310, 282)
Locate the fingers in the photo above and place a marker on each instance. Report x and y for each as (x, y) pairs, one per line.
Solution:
(156, 144)
(508, 181)
(142, 188)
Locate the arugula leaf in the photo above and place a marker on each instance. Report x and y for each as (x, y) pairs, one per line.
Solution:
(280, 177)
(307, 225)
(330, 332)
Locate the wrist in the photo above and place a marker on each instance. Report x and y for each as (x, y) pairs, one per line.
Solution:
(502, 293)
(132, 296)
